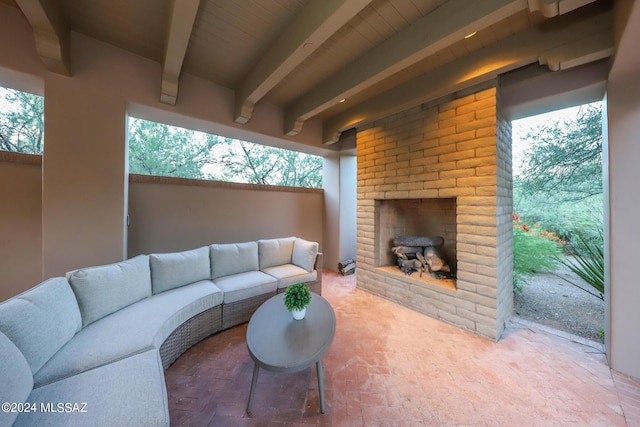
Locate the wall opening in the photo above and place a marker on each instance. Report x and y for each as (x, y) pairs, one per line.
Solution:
(416, 217)
(430, 217)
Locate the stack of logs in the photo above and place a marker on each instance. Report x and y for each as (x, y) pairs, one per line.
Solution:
(347, 267)
(422, 254)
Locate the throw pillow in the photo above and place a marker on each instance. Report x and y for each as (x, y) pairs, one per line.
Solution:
(304, 254)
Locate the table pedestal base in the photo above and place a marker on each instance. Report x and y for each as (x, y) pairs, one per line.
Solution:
(254, 381)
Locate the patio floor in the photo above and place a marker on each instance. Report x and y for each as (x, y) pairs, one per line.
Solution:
(391, 366)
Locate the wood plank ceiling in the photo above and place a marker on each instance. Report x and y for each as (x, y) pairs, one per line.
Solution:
(305, 56)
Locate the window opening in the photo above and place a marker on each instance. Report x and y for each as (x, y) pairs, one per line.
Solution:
(21, 122)
(163, 150)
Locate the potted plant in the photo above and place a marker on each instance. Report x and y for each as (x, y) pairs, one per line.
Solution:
(296, 298)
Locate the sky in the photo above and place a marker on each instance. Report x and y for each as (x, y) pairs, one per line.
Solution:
(4, 105)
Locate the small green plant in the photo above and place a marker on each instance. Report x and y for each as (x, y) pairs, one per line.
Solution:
(534, 250)
(297, 297)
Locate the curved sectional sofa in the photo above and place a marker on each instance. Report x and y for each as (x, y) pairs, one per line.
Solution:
(91, 348)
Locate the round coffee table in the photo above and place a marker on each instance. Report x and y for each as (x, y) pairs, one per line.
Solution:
(278, 343)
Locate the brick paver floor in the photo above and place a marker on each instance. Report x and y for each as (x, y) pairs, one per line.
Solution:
(390, 366)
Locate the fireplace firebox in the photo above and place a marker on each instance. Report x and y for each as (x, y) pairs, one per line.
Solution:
(417, 217)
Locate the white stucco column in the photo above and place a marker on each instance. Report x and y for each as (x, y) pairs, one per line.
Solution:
(339, 184)
(623, 104)
(622, 156)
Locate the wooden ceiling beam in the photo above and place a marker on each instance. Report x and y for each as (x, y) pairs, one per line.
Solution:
(50, 33)
(181, 19)
(435, 31)
(551, 8)
(558, 46)
(318, 21)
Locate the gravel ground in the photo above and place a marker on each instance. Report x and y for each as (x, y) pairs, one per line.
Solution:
(549, 300)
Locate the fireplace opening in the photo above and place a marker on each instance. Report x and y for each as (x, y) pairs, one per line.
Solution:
(416, 217)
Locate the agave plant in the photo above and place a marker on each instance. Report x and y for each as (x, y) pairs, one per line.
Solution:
(588, 265)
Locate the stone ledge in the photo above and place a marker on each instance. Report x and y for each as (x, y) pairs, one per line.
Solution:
(151, 179)
(447, 286)
(21, 158)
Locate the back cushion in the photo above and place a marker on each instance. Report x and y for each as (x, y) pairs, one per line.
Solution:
(41, 320)
(274, 252)
(233, 258)
(15, 376)
(304, 254)
(103, 290)
(177, 269)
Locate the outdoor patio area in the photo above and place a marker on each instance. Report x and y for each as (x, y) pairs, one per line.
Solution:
(389, 365)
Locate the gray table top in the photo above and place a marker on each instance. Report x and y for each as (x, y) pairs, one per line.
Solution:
(278, 343)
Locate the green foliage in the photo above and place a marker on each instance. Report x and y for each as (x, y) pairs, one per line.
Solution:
(534, 250)
(565, 158)
(163, 150)
(21, 122)
(260, 164)
(567, 218)
(297, 297)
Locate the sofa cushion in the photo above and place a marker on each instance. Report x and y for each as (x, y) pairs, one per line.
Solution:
(245, 285)
(41, 320)
(173, 270)
(275, 251)
(288, 274)
(105, 289)
(135, 328)
(129, 392)
(304, 254)
(233, 258)
(15, 376)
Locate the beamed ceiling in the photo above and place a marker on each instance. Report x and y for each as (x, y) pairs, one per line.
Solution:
(305, 56)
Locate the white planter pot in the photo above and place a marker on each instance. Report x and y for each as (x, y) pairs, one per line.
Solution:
(299, 314)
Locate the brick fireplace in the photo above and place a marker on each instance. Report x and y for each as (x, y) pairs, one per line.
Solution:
(440, 169)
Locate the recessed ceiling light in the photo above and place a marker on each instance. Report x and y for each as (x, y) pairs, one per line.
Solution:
(468, 36)
(343, 100)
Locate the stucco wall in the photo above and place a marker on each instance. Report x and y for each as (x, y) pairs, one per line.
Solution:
(172, 214)
(166, 215)
(84, 172)
(20, 223)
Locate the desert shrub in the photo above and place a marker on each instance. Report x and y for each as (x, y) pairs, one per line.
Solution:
(534, 250)
(568, 219)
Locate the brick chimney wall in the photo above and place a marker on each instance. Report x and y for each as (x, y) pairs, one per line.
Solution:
(458, 148)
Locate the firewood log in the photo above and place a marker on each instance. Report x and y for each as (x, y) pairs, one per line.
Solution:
(433, 258)
(418, 241)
